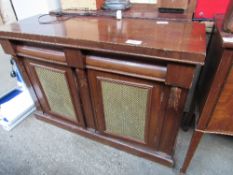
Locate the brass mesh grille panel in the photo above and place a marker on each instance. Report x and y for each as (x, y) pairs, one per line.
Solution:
(124, 109)
(57, 92)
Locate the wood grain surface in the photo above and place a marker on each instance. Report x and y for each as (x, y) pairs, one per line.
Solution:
(175, 41)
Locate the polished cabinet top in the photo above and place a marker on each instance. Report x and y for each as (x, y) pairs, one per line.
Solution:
(168, 40)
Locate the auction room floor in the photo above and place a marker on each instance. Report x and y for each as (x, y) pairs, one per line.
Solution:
(37, 148)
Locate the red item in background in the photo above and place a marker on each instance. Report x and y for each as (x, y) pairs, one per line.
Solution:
(208, 8)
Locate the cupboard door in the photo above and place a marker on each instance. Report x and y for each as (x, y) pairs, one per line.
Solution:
(127, 108)
(56, 90)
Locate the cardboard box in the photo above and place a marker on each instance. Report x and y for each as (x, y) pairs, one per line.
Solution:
(173, 4)
(81, 4)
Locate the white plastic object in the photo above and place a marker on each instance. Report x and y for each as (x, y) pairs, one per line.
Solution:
(15, 110)
(119, 14)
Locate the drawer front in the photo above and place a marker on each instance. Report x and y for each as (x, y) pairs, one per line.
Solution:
(222, 116)
(176, 75)
(59, 55)
(41, 53)
(129, 68)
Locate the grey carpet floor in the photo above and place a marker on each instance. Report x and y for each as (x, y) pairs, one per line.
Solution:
(37, 148)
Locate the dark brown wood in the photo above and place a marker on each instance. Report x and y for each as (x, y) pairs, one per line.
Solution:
(216, 87)
(213, 59)
(85, 98)
(221, 120)
(215, 91)
(175, 41)
(175, 75)
(90, 50)
(41, 53)
(75, 58)
(166, 123)
(137, 69)
(31, 65)
(191, 150)
(34, 82)
(7, 46)
(172, 119)
(153, 107)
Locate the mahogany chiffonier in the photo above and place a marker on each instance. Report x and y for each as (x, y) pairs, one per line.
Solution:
(121, 82)
(215, 91)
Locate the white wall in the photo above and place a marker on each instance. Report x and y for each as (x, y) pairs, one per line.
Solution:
(7, 13)
(27, 8)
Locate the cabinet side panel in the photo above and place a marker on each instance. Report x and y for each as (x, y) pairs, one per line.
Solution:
(222, 117)
(213, 58)
(215, 89)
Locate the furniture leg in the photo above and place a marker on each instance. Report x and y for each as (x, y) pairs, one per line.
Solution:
(197, 135)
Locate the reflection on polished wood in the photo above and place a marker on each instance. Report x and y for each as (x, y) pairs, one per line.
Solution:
(183, 42)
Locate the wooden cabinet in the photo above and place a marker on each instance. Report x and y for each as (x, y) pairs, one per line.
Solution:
(215, 91)
(91, 81)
